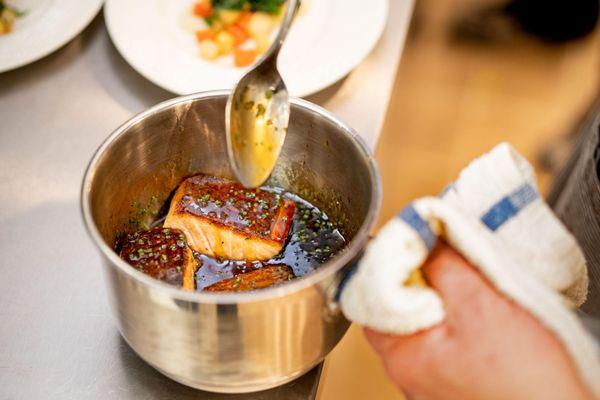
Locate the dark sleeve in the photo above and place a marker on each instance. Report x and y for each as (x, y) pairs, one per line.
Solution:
(576, 200)
(592, 325)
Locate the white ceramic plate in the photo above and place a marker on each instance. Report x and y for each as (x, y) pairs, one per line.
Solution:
(328, 39)
(46, 26)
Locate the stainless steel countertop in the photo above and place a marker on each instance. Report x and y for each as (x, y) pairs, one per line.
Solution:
(57, 340)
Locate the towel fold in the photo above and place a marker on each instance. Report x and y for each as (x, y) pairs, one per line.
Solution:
(493, 215)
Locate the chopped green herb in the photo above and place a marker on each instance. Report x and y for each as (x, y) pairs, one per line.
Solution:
(260, 111)
(204, 198)
(238, 280)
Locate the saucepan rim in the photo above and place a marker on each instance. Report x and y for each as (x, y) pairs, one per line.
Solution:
(330, 267)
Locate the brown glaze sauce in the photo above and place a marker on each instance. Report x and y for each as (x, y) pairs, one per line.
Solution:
(311, 241)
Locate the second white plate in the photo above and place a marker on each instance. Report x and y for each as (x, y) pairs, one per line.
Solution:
(329, 39)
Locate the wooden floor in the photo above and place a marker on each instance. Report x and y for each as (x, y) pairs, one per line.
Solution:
(451, 103)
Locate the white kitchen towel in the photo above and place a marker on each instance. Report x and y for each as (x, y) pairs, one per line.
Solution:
(494, 216)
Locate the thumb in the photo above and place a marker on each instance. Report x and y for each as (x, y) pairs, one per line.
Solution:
(459, 284)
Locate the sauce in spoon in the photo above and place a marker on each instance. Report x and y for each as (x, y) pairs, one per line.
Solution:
(257, 114)
(258, 128)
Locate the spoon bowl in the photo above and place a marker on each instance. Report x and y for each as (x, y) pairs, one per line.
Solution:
(257, 114)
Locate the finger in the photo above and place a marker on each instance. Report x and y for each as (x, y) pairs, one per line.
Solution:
(398, 345)
(407, 359)
(382, 343)
(457, 281)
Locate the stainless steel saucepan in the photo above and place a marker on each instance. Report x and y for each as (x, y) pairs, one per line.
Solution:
(227, 342)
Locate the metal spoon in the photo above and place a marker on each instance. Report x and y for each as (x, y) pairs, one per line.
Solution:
(257, 114)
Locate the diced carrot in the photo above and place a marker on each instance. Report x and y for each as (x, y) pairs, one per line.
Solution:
(205, 34)
(244, 20)
(243, 58)
(203, 8)
(239, 34)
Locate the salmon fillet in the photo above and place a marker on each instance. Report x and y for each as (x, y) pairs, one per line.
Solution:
(161, 253)
(222, 219)
(257, 279)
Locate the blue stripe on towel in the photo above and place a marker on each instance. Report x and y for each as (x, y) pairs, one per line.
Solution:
(448, 188)
(509, 206)
(347, 273)
(412, 218)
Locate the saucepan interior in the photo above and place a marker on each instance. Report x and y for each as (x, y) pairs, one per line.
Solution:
(131, 177)
(226, 342)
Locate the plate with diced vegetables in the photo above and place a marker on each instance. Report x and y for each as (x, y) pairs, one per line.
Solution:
(188, 46)
(32, 29)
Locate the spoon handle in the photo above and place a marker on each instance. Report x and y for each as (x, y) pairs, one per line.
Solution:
(290, 12)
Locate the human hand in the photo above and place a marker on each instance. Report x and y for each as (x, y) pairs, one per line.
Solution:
(487, 348)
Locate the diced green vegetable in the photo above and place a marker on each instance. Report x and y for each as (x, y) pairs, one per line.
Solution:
(229, 4)
(210, 20)
(267, 6)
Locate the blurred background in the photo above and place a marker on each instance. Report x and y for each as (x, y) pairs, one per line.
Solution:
(472, 75)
